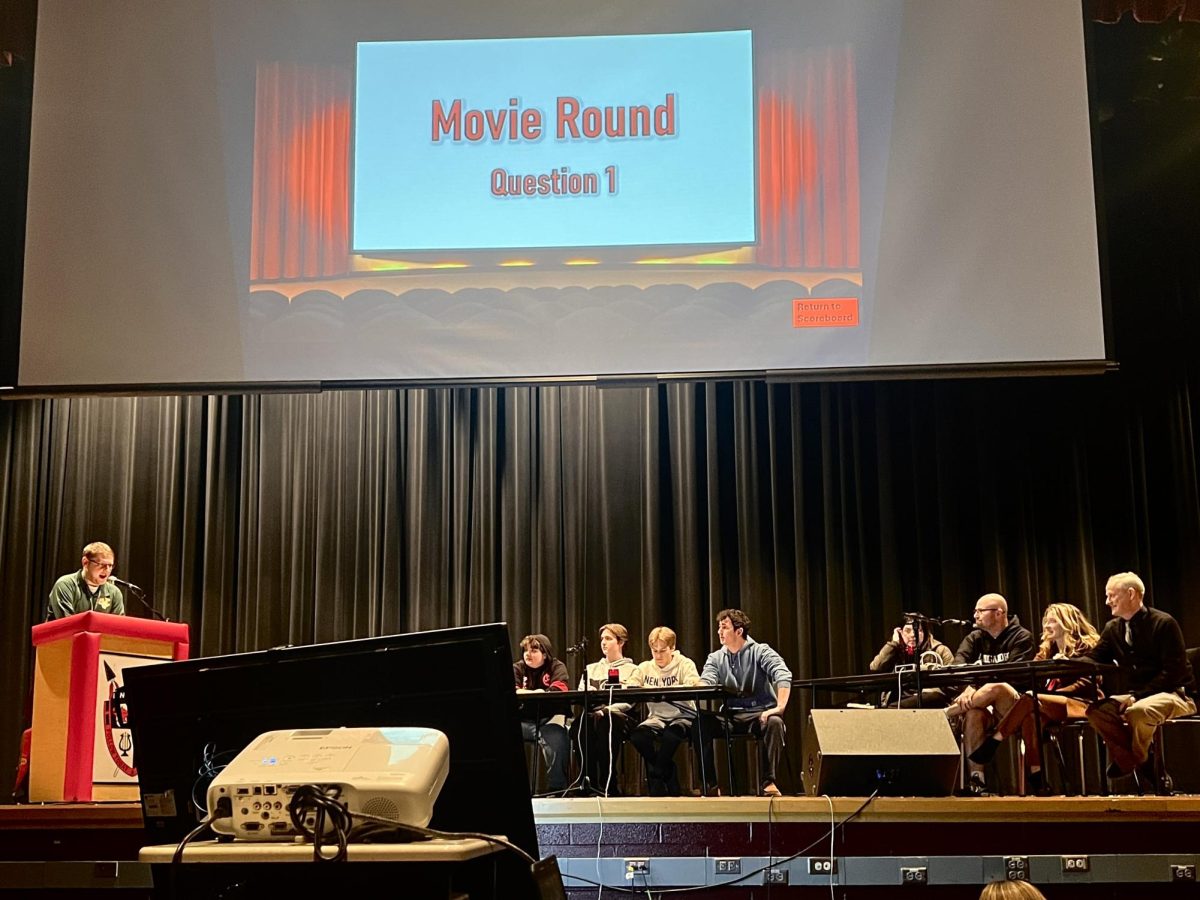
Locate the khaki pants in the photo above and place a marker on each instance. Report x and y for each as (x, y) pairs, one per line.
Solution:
(1127, 725)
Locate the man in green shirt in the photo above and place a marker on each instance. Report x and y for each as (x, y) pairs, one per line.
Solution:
(88, 588)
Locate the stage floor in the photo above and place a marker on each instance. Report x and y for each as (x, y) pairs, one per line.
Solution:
(1085, 846)
(887, 825)
(551, 811)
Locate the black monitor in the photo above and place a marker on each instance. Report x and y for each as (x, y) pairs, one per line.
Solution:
(188, 718)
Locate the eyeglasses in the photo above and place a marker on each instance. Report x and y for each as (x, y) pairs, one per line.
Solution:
(985, 609)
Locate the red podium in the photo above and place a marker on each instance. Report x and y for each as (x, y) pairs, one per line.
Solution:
(82, 749)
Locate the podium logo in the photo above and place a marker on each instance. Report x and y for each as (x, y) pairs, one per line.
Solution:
(117, 738)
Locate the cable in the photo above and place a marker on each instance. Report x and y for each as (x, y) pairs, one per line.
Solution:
(428, 834)
(211, 764)
(577, 781)
(580, 779)
(177, 857)
(832, 831)
(599, 835)
(311, 806)
(708, 887)
(770, 837)
(611, 756)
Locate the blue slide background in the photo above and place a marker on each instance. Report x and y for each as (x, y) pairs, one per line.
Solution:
(695, 188)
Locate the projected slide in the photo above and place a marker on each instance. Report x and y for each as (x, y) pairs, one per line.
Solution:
(554, 142)
(346, 191)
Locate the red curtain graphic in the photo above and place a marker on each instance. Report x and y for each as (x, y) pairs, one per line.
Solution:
(300, 204)
(808, 184)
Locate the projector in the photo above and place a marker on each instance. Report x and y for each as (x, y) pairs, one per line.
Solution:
(394, 773)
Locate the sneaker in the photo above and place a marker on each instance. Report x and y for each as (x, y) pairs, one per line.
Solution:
(975, 787)
(770, 790)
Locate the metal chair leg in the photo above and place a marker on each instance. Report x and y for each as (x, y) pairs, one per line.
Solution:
(728, 731)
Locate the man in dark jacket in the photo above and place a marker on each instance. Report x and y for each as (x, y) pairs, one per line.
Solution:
(538, 670)
(996, 639)
(1147, 646)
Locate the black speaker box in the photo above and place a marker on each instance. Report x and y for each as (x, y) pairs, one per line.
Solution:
(900, 752)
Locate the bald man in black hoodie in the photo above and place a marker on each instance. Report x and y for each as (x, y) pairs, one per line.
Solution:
(996, 639)
(538, 670)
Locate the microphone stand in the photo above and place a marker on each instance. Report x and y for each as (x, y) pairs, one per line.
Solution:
(920, 625)
(921, 622)
(140, 596)
(585, 782)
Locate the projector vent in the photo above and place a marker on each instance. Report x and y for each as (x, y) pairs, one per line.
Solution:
(382, 807)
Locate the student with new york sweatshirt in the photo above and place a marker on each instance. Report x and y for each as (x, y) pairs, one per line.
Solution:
(668, 723)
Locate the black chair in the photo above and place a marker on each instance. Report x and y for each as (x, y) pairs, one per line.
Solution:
(747, 740)
(1078, 758)
(1182, 734)
(750, 741)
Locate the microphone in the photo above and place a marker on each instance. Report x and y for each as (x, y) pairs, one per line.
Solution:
(139, 595)
(921, 617)
(581, 647)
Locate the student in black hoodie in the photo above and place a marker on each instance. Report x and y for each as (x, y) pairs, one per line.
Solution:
(996, 639)
(538, 670)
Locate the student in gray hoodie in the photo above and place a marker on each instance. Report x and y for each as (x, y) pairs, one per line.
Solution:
(763, 684)
(667, 723)
(608, 725)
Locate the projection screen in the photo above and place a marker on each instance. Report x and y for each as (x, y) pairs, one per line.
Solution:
(358, 191)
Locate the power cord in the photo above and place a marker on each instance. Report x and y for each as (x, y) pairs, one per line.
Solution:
(608, 780)
(599, 838)
(708, 887)
(224, 810)
(313, 808)
(211, 763)
(309, 808)
(832, 831)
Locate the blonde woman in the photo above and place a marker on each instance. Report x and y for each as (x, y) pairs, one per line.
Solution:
(1066, 633)
(1011, 890)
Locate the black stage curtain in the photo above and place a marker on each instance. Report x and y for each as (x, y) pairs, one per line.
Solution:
(824, 510)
